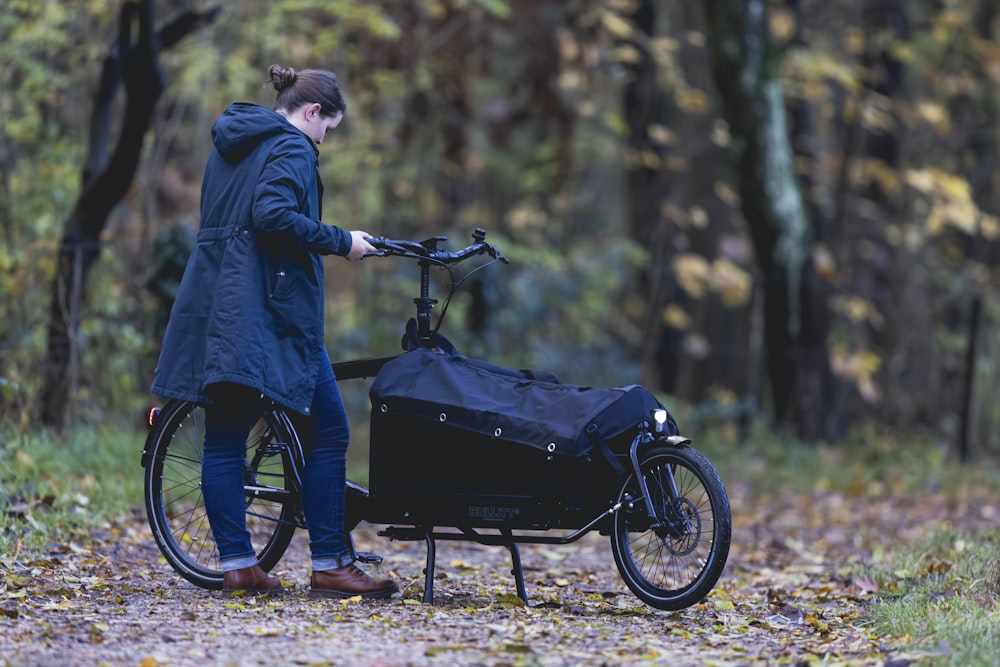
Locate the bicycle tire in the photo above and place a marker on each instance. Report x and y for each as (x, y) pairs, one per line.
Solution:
(175, 508)
(673, 567)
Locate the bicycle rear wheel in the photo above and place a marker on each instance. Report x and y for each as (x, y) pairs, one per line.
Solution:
(174, 505)
(674, 563)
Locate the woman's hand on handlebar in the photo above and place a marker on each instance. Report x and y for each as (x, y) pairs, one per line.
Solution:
(360, 246)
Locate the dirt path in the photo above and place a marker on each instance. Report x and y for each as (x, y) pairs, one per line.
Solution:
(786, 597)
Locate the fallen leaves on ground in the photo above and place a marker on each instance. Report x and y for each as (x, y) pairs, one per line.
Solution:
(791, 594)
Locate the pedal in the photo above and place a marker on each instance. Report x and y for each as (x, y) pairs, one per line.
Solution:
(272, 448)
(369, 557)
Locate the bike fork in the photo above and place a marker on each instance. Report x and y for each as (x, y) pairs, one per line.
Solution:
(644, 437)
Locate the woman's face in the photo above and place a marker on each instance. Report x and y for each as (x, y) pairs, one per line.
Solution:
(327, 124)
(315, 124)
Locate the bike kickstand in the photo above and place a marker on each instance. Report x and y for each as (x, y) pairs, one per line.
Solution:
(429, 570)
(515, 557)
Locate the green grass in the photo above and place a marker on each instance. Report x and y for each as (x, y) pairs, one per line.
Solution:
(57, 488)
(940, 600)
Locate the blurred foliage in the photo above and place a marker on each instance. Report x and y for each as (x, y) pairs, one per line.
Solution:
(48, 71)
(507, 115)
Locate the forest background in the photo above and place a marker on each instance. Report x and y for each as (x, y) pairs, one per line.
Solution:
(761, 209)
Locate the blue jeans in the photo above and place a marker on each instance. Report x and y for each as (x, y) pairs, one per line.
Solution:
(325, 434)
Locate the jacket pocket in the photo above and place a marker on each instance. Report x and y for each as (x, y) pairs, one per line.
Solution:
(279, 282)
(284, 299)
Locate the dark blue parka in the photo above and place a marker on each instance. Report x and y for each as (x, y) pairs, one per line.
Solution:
(250, 305)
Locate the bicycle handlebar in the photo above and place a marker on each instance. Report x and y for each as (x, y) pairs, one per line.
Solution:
(428, 250)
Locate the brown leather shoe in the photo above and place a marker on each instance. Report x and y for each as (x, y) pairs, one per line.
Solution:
(349, 581)
(252, 580)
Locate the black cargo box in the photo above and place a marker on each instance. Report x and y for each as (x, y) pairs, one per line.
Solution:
(483, 445)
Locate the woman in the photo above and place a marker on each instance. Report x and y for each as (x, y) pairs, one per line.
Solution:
(248, 321)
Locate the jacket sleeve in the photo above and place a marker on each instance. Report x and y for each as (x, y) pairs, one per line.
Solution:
(281, 200)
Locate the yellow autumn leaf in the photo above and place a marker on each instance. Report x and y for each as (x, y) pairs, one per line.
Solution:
(819, 624)
(649, 160)
(878, 119)
(693, 100)
(921, 180)
(857, 310)
(881, 173)
(663, 46)
(616, 25)
(699, 217)
(661, 134)
(783, 24)
(989, 227)
(934, 114)
(731, 282)
(824, 263)
(726, 194)
(626, 53)
(953, 186)
(510, 600)
(692, 273)
(940, 184)
(569, 47)
(676, 317)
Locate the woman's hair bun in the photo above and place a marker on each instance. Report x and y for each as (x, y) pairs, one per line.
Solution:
(281, 77)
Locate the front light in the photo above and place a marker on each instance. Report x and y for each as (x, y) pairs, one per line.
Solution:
(659, 419)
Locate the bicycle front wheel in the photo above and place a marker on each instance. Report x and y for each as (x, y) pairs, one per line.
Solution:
(674, 561)
(174, 505)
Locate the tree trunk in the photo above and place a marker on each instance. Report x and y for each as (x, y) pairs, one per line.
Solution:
(133, 60)
(745, 64)
(884, 273)
(821, 411)
(647, 188)
(979, 123)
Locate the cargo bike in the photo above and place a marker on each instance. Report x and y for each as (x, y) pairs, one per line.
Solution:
(462, 449)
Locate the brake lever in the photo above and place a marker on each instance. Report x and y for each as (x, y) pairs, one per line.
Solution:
(495, 254)
(384, 247)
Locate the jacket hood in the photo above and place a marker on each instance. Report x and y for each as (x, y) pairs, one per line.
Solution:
(243, 126)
